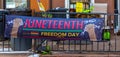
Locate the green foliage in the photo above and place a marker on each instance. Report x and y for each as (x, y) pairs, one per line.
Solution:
(88, 10)
(46, 51)
(45, 15)
(47, 48)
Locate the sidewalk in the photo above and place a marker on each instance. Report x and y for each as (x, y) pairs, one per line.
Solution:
(66, 55)
(14, 55)
(82, 55)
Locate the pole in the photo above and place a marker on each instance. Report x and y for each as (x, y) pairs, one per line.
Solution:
(67, 5)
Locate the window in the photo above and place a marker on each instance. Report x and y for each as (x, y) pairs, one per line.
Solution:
(16, 4)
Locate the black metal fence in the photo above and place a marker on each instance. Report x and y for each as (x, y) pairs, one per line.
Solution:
(112, 45)
(110, 24)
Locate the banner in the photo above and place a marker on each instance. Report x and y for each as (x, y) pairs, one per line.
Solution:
(54, 28)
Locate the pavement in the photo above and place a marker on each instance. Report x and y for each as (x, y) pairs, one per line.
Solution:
(14, 55)
(64, 55)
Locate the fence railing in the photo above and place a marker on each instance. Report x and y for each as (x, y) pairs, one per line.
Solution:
(110, 23)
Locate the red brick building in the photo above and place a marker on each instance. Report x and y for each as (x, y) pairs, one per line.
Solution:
(49, 4)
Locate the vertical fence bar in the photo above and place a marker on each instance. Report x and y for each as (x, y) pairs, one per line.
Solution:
(86, 45)
(109, 46)
(110, 31)
(8, 45)
(69, 46)
(3, 16)
(57, 45)
(63, 45)
(116, 15)
(20, 44)
(103, 46)
(3, 46)
(14, 44)
(34, 45)
(40, 43)
(52, 45)
(115, 42)
(103, 31)
(80, 45)
(75, 45)
(92, 46)
(97, 45)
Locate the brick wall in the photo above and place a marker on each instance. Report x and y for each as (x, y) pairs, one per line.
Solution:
(1, 4)
(55, 3)
(110, 4)
(110, 9)
(100, 1)
(58, 3)
(34, 4)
